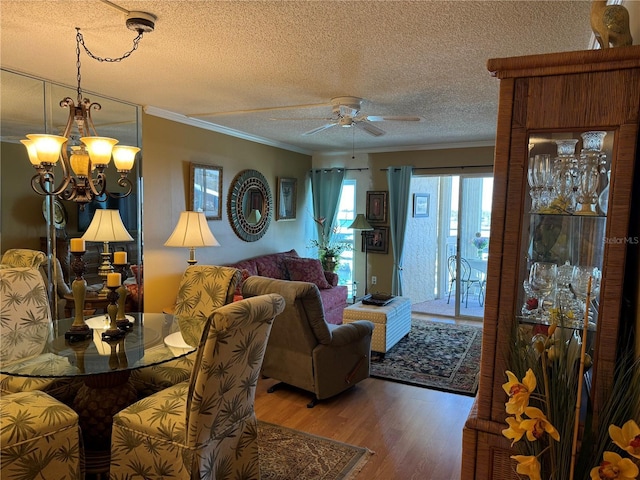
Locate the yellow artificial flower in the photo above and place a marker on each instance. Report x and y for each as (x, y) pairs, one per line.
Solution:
(519, 392)
(515, 431)
(614, 467)
(627, 437)
(537, 424)
(528, 465)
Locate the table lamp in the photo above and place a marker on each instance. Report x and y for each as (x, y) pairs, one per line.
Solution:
(106, 226)
(360, 223)
(192, 231)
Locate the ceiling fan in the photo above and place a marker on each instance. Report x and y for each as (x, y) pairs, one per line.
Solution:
(346, 113)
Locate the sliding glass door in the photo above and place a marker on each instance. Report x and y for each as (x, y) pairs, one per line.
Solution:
(446, 250)
(467, 246)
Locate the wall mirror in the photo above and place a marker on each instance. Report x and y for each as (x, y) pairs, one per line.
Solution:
(205, 190)
(250, 205)
(31, 105)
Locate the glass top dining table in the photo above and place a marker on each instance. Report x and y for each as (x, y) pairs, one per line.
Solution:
(151, 340)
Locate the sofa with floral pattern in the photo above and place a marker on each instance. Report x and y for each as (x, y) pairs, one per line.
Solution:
(290, 266)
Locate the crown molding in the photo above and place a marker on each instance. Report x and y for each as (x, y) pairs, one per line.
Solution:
(194, 122)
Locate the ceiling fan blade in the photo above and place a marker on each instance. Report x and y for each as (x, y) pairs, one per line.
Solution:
(371, 129)
(319, 129)
(378, 118)
(326, 119)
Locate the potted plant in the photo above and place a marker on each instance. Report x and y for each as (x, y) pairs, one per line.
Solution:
(328, 251)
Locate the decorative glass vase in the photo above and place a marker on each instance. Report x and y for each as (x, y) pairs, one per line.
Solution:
(565, 168)
(590, 167)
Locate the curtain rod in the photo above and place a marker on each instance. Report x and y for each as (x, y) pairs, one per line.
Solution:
(441, 168)
(338, 168)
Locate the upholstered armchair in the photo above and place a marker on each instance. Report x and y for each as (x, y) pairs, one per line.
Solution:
(39, 437)
(25, 326)
(304, 350)
(205, 427)
(202, 289)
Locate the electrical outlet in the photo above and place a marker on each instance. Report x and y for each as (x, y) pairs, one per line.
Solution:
(374, 280)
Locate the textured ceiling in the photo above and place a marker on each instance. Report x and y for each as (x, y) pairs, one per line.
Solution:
(205, 58)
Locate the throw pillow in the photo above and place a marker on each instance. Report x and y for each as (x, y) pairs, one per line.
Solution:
(244, 275)
(306, 270)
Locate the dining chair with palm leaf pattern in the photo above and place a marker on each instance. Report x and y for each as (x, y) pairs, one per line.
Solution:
(202, 290)
(205, 427)
(39, 437)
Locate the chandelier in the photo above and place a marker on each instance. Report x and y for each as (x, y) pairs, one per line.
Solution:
(82, 155)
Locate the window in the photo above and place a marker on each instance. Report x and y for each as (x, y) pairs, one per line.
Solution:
(346, 214)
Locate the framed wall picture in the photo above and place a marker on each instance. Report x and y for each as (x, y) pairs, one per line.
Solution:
(206, 190)
(286, 198)
(377, 207)
(377, 240)
(420, 204)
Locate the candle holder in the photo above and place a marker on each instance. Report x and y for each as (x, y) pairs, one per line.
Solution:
(113, 332)
(121, 319)
(79, 330)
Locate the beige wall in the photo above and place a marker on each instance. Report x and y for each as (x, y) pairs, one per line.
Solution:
(168, 148)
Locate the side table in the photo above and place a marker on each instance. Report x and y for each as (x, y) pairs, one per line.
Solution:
(391, 322)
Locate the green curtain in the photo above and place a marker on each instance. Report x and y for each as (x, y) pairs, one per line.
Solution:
(326, 185)
(399, 179)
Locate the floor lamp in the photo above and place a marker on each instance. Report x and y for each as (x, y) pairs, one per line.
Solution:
(360, 223)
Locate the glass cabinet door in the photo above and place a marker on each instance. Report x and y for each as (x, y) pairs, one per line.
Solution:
(564, 229)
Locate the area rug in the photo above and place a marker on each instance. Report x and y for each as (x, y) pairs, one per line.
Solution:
(441, 356)
(287, 454)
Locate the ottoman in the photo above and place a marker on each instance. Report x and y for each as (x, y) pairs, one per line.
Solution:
(391, 322)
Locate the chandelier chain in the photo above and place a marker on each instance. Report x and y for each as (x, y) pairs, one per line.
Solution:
(136, 43)
(80, 41)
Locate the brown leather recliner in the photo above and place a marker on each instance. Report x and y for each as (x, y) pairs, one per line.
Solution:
(304, 350)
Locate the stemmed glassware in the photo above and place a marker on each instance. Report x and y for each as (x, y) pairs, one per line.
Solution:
(542, 282)
(541, 181)
(564, 296)
(580, 284)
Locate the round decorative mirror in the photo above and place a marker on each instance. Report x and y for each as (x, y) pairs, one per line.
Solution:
(249, 205)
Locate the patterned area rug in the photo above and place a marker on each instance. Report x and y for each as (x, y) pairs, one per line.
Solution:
(287, 454)
(441, 356)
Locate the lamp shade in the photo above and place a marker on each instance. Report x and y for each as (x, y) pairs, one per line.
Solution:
(360, 223)
(124, 156)
(254, 217)
(191, 231)
(107, 226)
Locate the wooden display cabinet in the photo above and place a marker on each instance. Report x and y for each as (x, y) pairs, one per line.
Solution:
(544, 98)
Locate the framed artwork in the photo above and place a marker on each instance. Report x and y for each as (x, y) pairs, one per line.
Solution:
(205, 187)
(377, 207)
(420, 204)
(286, 198)
(376, 240)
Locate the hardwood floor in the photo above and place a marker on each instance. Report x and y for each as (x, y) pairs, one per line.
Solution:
(416, 433)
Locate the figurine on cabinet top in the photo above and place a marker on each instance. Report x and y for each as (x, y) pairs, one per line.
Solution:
(610, 24)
